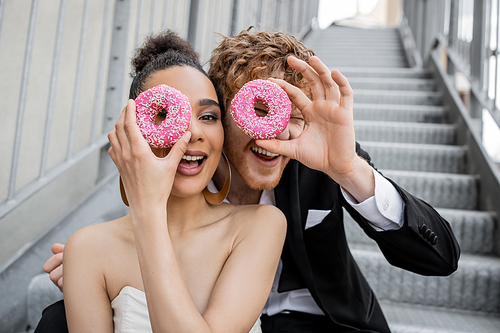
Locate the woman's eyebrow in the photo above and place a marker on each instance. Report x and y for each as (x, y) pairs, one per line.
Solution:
(208, 101)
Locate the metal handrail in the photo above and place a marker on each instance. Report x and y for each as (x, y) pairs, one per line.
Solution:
(186, 24)
(463, 28)
(464, 42)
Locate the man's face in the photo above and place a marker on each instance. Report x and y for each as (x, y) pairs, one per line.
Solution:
(259, 169)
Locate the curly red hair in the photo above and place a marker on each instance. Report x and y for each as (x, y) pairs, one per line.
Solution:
(255, 55)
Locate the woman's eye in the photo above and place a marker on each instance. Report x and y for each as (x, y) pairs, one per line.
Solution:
(208, 117)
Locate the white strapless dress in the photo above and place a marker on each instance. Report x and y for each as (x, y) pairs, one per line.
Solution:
(130, 312)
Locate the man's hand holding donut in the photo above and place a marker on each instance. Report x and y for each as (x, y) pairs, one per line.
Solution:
(328, 142)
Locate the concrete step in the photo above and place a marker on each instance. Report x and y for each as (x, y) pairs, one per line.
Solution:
(398, 97)
(41, 293)
(387, 131)
(345, 30)
(351, 72)
(392, 84)
(409, 318)
(441, 190)
(416, 157)
(475, 286)
(332, 61)
(351, 36)
(474, 230)
(361, 55)
(400, 113)
(347, 33)
(375, 47)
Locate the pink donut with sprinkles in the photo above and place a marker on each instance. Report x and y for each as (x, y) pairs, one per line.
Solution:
(151, 102)
(268, 93)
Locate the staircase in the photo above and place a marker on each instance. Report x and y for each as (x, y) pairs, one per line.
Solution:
(400, 120)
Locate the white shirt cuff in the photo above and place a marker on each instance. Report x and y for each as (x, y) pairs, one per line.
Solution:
(384, 210)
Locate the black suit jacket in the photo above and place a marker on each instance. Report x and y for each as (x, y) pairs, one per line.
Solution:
(320, 257)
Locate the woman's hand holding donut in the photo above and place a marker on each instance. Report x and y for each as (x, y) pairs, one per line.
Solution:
(147, 178)
(328, 142)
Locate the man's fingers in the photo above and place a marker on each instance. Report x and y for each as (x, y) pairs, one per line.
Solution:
(57, 248)
(56, 275)
(53, 262)
(346, 95)
(296, 95)
(330, 86)
(285, 148)
(310, 75)
(60, 284)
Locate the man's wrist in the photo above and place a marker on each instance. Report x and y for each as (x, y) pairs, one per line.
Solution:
(384, 210)
(360, 182)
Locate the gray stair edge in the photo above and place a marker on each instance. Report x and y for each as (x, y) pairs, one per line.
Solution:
(398, 124)
(419, 146)
(409, 318)
(473, 237)
(460, 190)
(403, 93)
(399, 107)
(475, 286)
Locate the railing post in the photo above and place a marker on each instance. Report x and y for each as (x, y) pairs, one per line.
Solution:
(193, 21)
(452, 34)
(234, 17)
(116, 78)
(478, 55)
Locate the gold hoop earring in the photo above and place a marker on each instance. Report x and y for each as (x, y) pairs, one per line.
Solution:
(217, 198)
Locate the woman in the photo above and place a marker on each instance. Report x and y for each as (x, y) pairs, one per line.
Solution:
(199, 267)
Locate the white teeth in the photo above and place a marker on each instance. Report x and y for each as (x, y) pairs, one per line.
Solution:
(192, 158)
(263, 152)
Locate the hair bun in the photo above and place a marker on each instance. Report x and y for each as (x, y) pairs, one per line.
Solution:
(158, 44)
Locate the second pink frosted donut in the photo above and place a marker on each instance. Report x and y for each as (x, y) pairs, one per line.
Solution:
(268, 93)
(151, 102)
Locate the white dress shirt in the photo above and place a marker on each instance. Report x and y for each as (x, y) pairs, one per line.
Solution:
(383, 210)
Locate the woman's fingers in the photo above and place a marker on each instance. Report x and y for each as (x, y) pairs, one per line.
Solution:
(131, 128)
(116, 136)
(179, 148)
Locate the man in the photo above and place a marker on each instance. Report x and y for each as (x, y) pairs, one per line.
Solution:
(310, 171)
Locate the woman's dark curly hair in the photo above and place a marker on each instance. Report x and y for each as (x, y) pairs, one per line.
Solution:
(255, 55)
(158, 52)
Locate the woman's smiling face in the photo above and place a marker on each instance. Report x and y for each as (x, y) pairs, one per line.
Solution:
(207, 136)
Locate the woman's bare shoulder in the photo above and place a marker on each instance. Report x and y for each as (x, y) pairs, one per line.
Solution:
(98, 237)
(260, 218)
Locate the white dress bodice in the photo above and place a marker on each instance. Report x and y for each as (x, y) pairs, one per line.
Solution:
(130, 312)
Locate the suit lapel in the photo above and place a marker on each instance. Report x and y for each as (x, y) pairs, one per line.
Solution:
(288, 200)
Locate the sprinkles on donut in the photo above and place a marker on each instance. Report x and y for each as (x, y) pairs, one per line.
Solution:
(268, 93)
(151, 102)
